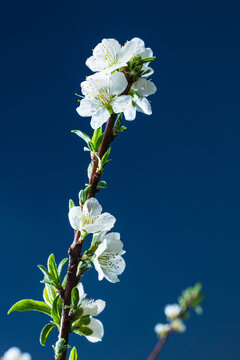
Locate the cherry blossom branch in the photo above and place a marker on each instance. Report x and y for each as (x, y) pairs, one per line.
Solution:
(75, 251)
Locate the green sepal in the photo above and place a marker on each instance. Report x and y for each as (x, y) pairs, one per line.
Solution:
(73, 354)
(78, 313)
(46, 331)
(71, 204)
(31, 305)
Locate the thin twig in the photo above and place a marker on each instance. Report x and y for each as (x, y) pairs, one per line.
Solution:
(160, 344)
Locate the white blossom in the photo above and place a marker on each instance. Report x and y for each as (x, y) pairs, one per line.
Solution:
(107, 259)
(109, 55)
(178, 325)
(162, 329)
(102, 96)
(139, 91)
(91, 308)
(15, 354)
(172, 311)
(90, 219)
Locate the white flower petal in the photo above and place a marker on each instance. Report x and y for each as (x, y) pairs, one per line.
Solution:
(101, 248)
(118, 83)
(74, 216)
(100, 117)
(97, 327)
(144, 87)
(132, 48)
(92, 207)
(130, 113)
(98, 269)
(86, 108)
(112, 236)
(143, 105)
(121, 103)
(81, 293)
(110, 275)
(106, 221)
(95, 63)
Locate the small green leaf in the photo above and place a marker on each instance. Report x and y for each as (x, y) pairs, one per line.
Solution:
(82, 135)
(55, 310)
(52, 267)
(74, 298)
(73, 354)
(31, 305)
(105, 157)
(122, 128)
(60, 266)
(44, 271)
(64, 281)
(102, 184)
(46, 331)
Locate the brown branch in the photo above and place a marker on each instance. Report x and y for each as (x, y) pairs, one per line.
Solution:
(72, 280)
(160, 344)
(75, 251)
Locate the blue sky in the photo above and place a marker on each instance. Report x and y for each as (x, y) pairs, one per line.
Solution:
(173, 182)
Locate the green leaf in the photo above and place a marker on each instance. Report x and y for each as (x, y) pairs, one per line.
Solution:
(122, 128)
(44, 271)
(91, 146)
(31, 305)
(102, 184)
(82, 135)
(96, 134)
(74, 298)
(71, 203)
(55, 310)
(73, 354)
(46, 331)
(105, 157)
(52, 267)
(64, 281)
(60, 266)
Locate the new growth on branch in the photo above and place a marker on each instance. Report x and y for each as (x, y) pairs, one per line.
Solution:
(118, 89)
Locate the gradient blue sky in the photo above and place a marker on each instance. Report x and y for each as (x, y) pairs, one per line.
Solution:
(173, 182)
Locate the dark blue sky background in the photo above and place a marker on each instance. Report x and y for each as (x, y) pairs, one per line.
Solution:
(173, 182)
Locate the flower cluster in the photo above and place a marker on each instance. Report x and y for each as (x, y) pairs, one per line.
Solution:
(119, 84)
(191, 298)
(15, 354)
(106, 248)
